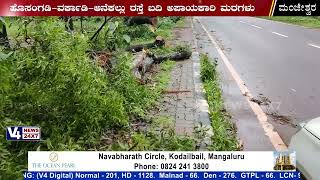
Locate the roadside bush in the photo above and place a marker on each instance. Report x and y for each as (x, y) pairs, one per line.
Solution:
(112, 37)
(49, 81)
(136, 97)
(224, 136)
(13, 162)
(140, 31)
(55, 86)
(57, 69)
(6, 79)
(117, 35)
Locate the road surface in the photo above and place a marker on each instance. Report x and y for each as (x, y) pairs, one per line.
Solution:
(278, 62)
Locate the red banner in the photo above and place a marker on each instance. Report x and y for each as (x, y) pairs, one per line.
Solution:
(135, 8)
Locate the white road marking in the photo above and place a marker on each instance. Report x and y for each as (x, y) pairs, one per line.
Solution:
(274, 137)
(314, 45)
(250, 24)
(279, 34)
(256, 26)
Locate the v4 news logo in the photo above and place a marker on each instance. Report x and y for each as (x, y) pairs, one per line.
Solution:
(23, 133)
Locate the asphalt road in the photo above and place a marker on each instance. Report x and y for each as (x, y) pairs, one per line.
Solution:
(277, 62)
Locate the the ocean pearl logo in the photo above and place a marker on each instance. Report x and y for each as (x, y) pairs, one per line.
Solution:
(53, 157)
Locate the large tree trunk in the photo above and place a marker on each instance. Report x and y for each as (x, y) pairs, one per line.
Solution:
(176, 56)
(141, 64)
(159, 42)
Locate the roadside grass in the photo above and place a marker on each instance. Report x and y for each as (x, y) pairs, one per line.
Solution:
(163, 77)
(181, 22)
(224, 133)
(165, 26)
(309, 22)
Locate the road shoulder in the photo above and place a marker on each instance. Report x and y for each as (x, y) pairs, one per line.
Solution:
(249, 131)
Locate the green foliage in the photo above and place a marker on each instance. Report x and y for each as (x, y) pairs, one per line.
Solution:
(53, 72)
(49, 81)
(2, 22)
(138, 98)
(117, 34)
(54, 85)
(143, 31)
(3, 34)
(10, 166)
(165, 24)
(208, 70)
(127, 38)
(163, 76)
(6, 79)
(2, 26)
(224, 137)
(112, 37)
(161, 51)
(12, 163)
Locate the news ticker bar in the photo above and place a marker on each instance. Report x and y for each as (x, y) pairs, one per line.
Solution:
(161, 175)
(169, 161)
(159, 8)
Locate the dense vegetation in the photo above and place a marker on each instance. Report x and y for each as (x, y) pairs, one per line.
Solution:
(49, 80)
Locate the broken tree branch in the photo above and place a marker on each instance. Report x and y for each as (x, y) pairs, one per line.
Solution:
(101, 27)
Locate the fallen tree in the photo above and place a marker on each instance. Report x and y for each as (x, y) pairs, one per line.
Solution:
(144, 60)
(176, 56)
(141, 64)
(179, 53)
(159, 42)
